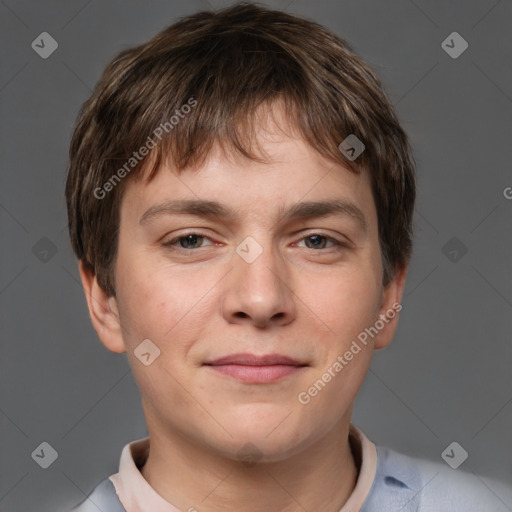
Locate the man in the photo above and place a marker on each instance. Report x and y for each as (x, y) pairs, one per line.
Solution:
(240, 197)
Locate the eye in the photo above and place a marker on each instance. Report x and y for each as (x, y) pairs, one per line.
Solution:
(193, 240)
(187, 241)
(318, 241)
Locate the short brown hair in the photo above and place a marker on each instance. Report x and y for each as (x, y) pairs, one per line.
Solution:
(230, 62)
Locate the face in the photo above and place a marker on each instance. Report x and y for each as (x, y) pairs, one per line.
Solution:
(259, 282)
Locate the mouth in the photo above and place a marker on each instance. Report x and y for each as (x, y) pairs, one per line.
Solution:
(256, 369)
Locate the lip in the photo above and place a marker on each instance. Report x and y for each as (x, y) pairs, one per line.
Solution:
(253, 360)
(256, 369)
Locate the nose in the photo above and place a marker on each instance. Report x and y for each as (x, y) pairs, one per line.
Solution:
(259, 292)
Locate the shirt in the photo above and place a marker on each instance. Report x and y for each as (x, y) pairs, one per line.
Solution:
(387, 481)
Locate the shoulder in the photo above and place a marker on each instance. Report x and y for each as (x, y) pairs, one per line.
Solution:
(417, 485)
(103, 497)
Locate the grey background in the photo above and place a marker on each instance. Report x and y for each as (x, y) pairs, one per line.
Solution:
(447, 375)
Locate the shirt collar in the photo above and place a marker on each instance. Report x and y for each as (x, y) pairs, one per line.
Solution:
(136, 495)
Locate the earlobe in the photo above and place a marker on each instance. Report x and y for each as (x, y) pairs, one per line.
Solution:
(103, 311)
(390, 308)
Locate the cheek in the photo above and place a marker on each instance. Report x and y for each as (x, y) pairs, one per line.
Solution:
(166, 309)
(344, 303)
(161, 304)
(348, 307)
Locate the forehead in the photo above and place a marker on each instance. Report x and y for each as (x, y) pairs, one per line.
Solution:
(292, 172)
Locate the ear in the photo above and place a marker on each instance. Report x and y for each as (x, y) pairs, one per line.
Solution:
(103, 311)
(390, 308)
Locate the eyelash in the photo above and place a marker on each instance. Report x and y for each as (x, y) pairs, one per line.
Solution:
(338, 244)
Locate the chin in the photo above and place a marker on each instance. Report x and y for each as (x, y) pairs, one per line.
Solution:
(263, 442)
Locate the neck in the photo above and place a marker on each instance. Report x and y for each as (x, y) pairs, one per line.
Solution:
(321, 477)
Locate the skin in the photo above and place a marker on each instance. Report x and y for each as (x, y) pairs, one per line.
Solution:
(305, 301)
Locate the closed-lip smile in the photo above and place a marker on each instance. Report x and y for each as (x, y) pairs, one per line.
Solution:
(254, 369)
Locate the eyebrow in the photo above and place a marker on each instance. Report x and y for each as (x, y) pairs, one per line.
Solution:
(298, 211)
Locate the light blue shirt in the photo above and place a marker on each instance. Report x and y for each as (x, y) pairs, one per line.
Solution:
(401, 484)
